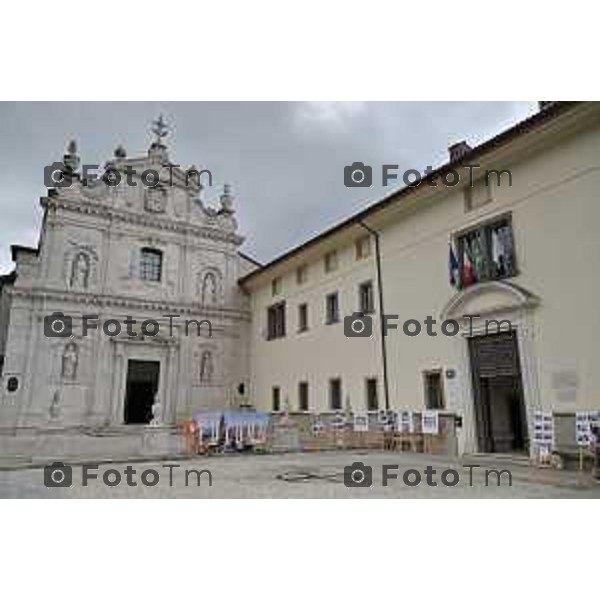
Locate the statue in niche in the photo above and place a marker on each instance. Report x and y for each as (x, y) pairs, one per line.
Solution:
(206, 366)
(70, 360)
(209, 289)
(80, 271)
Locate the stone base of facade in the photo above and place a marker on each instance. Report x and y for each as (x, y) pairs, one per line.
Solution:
(23, 446)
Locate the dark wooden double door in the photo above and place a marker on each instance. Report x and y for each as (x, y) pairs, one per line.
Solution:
(500, 415)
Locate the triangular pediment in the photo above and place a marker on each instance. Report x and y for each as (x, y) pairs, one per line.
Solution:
(489, 298)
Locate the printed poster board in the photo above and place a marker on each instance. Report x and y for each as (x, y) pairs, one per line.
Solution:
(430, 422)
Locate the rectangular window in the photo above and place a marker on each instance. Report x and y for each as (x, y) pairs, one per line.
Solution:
(335, 394)
(276, 321)
(302, 317)
(331, 261)
(362, 247)
(302, 274)
(486, 252)
(303, 396)
(434, 394)
(151, 264)
(332, 308)
(371, 391)
(276, 399)
(366, 302)
(275, 286)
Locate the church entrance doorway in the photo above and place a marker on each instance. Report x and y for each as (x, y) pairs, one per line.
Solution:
(142, 385)
(500, 415)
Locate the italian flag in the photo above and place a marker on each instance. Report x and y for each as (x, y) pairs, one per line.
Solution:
(468, 272)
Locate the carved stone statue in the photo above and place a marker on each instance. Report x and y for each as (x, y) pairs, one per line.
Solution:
(156, 411)
(80, 272)
(209, 289)
(70, 360)
(206, 366)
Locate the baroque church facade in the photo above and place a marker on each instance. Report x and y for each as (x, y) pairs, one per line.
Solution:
(154, 255)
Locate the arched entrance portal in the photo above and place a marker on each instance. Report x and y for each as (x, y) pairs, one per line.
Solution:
(499, 381)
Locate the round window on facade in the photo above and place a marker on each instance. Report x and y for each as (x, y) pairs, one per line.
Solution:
(12, 385)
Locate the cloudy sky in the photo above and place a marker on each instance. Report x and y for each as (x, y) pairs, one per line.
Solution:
(284, 160)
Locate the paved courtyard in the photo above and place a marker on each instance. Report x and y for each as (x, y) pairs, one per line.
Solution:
(314, 475)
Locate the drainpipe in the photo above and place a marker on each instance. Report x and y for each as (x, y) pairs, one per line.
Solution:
(386, 390)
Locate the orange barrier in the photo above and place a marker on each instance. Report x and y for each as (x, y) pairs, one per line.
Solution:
(189, 433)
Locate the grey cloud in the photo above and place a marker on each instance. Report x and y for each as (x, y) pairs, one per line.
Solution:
(285, 160)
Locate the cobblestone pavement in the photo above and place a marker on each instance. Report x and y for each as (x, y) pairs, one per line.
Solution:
(315, 475)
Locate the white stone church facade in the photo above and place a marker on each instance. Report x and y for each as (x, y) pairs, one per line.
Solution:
(278, 340)
(126, 252)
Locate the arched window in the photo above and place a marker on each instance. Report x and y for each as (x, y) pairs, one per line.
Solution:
(151, 264)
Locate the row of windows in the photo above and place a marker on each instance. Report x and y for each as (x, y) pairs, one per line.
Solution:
(335, 396)
(362, 250)
(276, 313)
(432, 380)
(485, 252)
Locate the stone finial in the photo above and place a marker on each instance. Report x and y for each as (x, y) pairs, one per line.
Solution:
(71, 159)
(227, 199)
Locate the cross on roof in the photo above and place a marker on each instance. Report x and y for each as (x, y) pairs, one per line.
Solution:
(160, 128)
